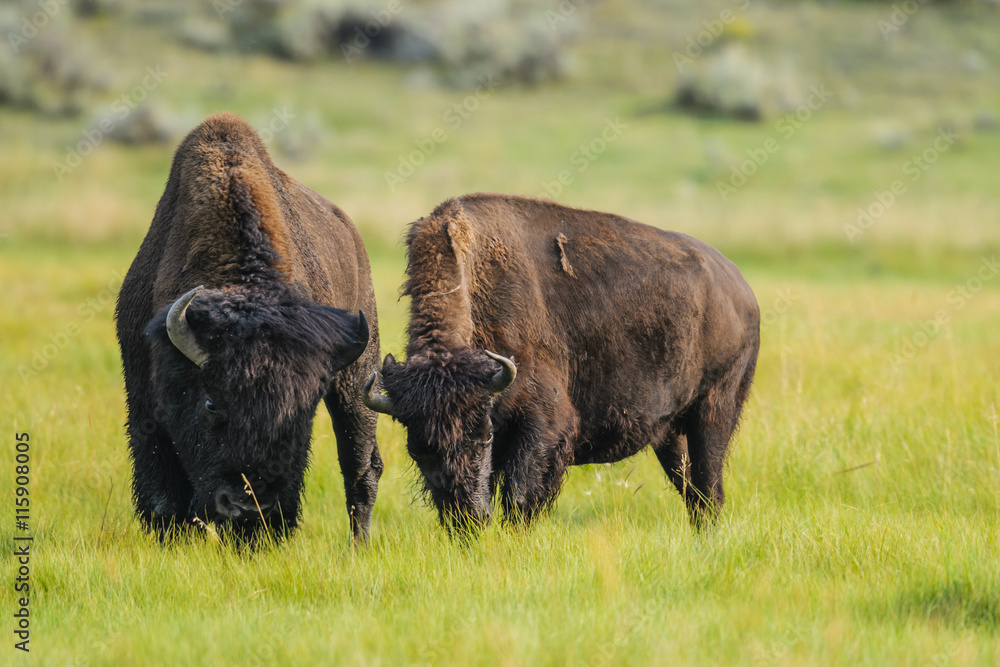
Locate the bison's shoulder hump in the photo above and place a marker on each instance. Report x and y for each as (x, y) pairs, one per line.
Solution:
(227, 130)
(222, 164)
(229, 196)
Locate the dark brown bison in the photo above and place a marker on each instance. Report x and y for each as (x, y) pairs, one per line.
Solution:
(245, 306)
(623, 336)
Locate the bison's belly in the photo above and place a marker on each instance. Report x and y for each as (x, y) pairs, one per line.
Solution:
(617, 435)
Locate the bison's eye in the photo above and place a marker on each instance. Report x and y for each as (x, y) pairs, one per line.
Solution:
(485, 432)
(209, 405)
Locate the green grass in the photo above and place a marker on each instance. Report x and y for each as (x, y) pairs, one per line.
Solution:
(863, 512)
(812, 561)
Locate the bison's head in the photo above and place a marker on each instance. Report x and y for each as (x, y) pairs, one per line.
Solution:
(239, 373)
(444, 399)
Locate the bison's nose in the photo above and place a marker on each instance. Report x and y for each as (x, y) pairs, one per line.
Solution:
(465, 521)
(234, 504)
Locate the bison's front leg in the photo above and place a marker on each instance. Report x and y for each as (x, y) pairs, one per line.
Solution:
(709, 428)
(160, 488)
(360, 463)
(534, 471)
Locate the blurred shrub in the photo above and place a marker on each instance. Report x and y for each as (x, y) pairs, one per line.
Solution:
(338, 31)
(732, 81)
(379, 35)
(204, 34)
(303, 139)
(465, 41)
(254, 23)
(510, 42)
(166, 12)
(985, 121)
(148, 123)
(42, 67)
(90, 8)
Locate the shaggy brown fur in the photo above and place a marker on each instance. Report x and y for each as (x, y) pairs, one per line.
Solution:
(286, 275)
(624, 336)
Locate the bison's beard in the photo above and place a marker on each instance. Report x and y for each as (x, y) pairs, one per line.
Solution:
(459, 488)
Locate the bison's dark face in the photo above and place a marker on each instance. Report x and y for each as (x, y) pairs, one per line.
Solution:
(239, 373)
(444, 399)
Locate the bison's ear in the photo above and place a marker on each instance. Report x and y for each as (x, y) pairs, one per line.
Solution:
(347, 335)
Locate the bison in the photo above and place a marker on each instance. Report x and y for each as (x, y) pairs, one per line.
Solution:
(248, 302)
(542, 336)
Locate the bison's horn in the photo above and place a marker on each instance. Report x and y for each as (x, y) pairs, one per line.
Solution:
(377, 402)
(180, 332)
(505, 376)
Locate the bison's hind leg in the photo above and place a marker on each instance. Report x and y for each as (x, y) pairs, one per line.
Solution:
(709, 425)
(704, 496)
(708, 436)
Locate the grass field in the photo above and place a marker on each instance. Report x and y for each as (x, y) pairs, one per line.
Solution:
(862, 523)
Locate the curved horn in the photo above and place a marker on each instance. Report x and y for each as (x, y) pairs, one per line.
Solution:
(179, 331)
(505, 376)
(377, 402)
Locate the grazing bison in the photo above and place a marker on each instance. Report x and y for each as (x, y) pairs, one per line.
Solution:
(244, 307)
(623, 336)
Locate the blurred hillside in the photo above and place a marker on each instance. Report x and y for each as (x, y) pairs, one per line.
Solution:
(747, 123)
